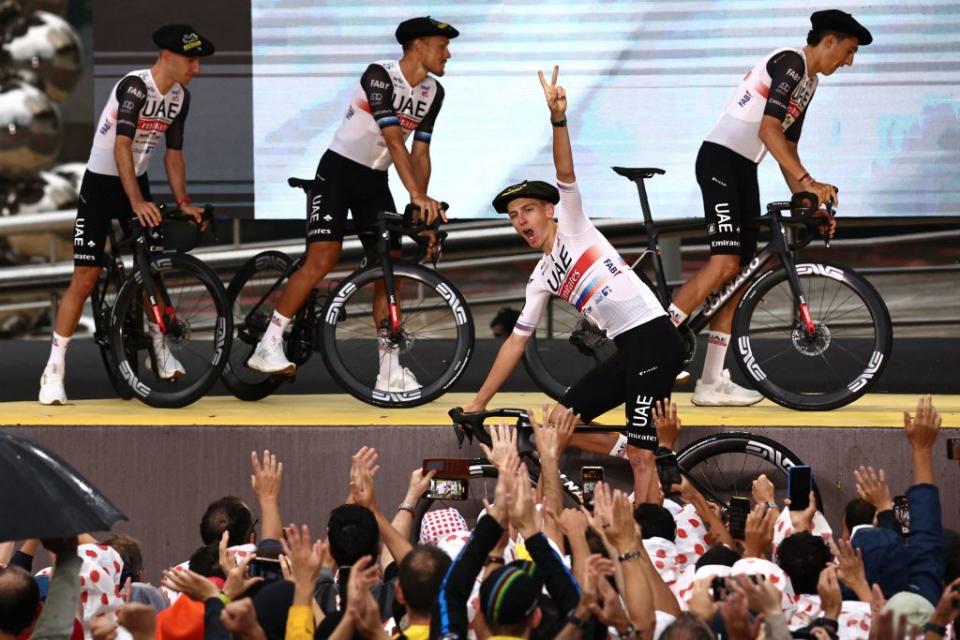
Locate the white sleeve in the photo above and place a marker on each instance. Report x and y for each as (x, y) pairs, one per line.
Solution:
(570, 210)
(536, 301)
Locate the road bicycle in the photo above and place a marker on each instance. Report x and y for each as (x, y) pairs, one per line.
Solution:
(808, 334)
(719, 466)
(427, 322)
(164, 304)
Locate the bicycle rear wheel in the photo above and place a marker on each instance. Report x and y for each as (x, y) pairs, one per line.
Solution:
(726, 464)
(198, 337)
(834, 367)
(253, 294)
(413, 368)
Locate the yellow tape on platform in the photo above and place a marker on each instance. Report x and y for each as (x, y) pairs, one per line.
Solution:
(873, 410)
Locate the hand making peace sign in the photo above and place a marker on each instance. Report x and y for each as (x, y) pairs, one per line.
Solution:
(556, 95)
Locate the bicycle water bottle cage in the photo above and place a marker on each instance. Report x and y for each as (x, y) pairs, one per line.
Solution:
(640, 173)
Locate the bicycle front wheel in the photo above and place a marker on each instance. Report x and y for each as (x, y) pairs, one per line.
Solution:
(412, 368)
(179, 367)
(102, 301)
(253, 294)
(833, 367)
(724, 465)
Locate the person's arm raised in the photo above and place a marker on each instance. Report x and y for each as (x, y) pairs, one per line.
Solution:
(266, 480)
(507, 358)
(556, 97)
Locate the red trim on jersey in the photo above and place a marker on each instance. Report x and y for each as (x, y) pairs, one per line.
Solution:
(586, 259)
(363, 105)
(763, 90)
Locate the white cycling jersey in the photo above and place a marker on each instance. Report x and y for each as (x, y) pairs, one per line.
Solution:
(136, 109)
(585, 270)
(779, 86)
(383, 98)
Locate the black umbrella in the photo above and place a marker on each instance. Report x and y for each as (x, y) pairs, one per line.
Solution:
(41, 496)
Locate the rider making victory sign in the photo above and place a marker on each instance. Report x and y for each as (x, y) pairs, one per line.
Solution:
(765, 113)
(394, 99)
(145, 105)
(581, 266)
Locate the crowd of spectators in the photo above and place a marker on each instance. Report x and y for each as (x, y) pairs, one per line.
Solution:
(663, 565)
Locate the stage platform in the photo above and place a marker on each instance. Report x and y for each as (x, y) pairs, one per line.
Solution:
(340, 410)
(162, 467)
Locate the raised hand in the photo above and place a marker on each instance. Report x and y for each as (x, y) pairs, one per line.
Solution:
(506, 478)
(622, 529)
(735, 614)
(190, 584)
(522, 511)
(829, 590)
(556, 95)
(238, 580)
(240, 619)
(306, 558)
(267, 477)
(419, 483)
(362, 470)
(850, 567)
(923, 428)
(803, 520)
(139, 619)
(762, 596)
(763, 489)
(361, 607)
(872, 487)
(504, 440)
(667, 422)
(758, 534)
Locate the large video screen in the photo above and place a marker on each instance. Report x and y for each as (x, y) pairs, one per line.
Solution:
(646, 81)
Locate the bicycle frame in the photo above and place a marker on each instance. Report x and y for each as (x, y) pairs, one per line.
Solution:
(776, 247)
(305, 318)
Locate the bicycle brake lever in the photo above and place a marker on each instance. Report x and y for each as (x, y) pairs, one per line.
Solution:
(462, 434)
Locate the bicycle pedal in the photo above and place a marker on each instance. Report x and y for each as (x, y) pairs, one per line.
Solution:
(682, 378)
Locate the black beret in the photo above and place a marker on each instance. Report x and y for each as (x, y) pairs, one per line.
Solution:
(842, 22)
(527, 189)
(184, 40)
(422, 27)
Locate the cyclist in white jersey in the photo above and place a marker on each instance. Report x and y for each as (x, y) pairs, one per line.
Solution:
(582, 267)
(392, 101)
(765, 113)
(144, 106)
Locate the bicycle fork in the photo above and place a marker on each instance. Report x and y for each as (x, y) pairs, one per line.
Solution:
(393, 307)
(160, 306)
(778, 242)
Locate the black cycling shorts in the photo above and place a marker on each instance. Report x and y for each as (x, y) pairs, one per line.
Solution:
(731, 200)
(343, 184)
(642, 371)
(103, 199)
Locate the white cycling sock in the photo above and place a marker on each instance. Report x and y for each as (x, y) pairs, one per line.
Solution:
(717, 343)
(278, 324)
(677, 316)
(58, 350)
(389, 357)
